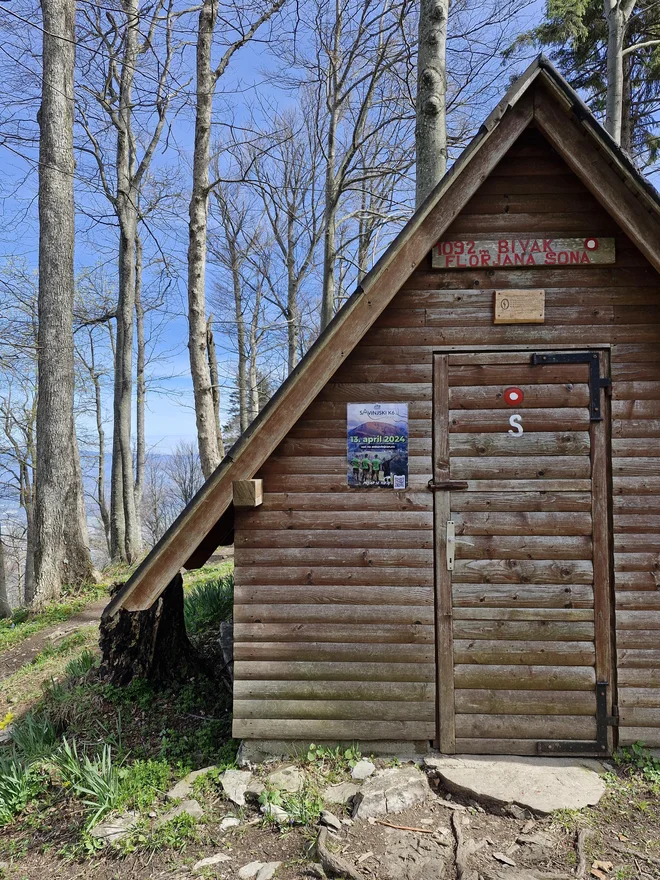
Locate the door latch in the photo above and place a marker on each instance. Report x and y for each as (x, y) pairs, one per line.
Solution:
(451, 544)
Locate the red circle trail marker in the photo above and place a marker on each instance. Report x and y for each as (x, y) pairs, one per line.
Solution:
(591, 244)
(513, 396)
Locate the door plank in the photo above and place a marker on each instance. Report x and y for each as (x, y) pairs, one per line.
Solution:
(443, 583)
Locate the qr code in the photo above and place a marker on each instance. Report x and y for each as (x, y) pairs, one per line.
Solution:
(399, 482)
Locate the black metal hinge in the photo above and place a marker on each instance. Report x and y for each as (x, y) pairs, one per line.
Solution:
(580, 747)
(597, 383)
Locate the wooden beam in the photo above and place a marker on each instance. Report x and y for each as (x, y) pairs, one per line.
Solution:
(574, 145)
(248, 493)
(444, 639)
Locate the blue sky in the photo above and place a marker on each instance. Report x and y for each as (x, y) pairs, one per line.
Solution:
(170, 416)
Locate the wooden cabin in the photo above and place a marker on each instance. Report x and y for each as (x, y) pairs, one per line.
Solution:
(504, 596)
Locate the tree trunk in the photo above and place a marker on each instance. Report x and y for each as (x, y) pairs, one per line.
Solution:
(100, 473)
(431, 126)
(59, 491)
(29, 592)
(122, 502)
(215, 383)
(293, 286)
(205, 414)
(627, 124)
(151, 644)
(141, 392)
(329, 236)
(616, 27)
(5, 607)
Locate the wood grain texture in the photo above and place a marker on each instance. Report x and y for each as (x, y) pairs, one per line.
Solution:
(336, 588)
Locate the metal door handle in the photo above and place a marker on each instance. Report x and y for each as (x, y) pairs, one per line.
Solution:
(451, 544)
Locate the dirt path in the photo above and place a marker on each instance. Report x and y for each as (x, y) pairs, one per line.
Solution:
(20, 655)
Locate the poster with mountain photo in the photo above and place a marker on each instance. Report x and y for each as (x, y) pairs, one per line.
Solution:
(377, 445)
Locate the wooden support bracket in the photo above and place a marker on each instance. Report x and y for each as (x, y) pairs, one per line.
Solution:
(248, 493)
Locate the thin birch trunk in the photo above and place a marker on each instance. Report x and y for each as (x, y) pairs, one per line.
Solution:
(215, 383)
(241, 344)
(253, 366)
(293, 284)
(328, 294)
(122, 488)
(616, 27)
(104, 513)
(208, 439)
(61, 553)
(205, 413)
(141, 390)
(5, 607)
(431, 126)
(29, 591)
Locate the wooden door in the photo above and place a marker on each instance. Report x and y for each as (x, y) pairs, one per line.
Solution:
(523, 615)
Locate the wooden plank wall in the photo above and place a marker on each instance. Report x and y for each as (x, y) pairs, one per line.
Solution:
(334, 634)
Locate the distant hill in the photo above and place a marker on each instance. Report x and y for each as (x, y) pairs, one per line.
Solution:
(375, 429)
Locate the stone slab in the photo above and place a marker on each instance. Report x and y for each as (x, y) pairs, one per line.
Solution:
(184, 787)
(289, 779)
(541, 785)
(341, 793)
(190, 807)
(391, 791)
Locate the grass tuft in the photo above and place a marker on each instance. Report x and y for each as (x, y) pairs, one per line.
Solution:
(94, 781)
(209, 603)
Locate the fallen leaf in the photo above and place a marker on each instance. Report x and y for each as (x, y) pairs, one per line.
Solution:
(599, 874)
(603, 866)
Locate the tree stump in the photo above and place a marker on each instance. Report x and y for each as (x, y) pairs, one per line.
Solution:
(151, 644)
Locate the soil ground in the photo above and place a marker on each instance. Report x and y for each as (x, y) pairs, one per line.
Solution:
(188, 727)
(26, 651)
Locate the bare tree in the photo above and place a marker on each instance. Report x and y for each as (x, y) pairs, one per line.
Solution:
(127, 39)
(5, 607)
(286, 179)
(158, 507)
(208, 74)
(240, 250)
(356, 66)
(61, 545)
(431, 128)
(184, 470)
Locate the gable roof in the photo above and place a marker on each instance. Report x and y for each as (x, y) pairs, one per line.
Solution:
(540, 95)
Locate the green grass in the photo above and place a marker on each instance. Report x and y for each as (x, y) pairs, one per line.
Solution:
(197, 576)
(209, 602)
(25, 623)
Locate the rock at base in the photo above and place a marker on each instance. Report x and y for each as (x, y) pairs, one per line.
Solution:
(208, 862)
(330, 820)
(235, 784)
(115, 830)
(258, 870)
(189, 807)
(183, 788)
(342, 793)
(391, 791)
(537, 784)
(276, 813)
(288, 779)
(362, 769)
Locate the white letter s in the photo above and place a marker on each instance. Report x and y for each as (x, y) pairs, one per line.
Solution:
(516, 422)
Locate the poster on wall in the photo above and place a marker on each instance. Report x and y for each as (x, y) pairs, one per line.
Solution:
(377, 445)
